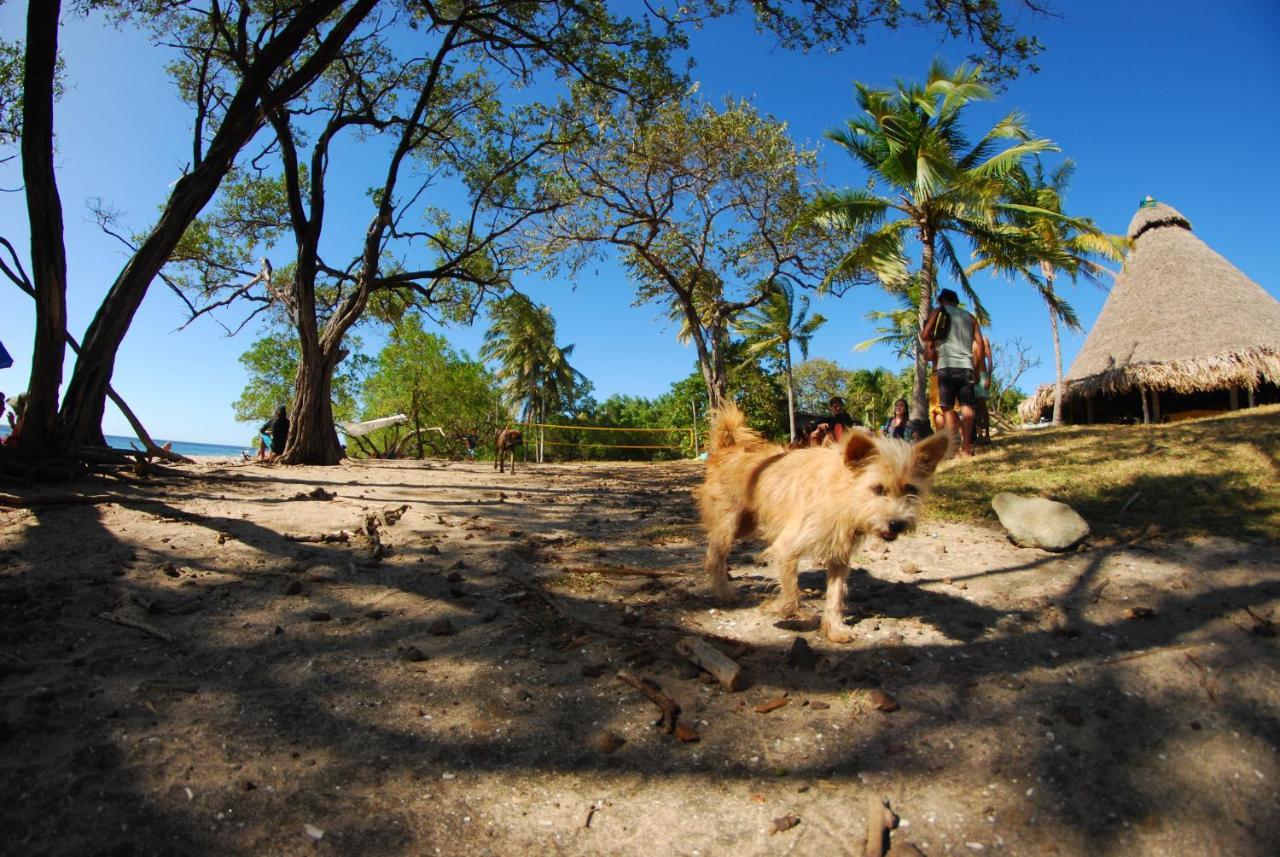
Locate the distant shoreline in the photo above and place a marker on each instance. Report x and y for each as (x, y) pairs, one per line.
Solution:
(190, 449)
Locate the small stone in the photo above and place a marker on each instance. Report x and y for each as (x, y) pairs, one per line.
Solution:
(910, 568)
(319, 616)
(818, 706)
(801, 656)
(454, 577)
(293, 587)
(412, 653)
(606, 742)
(441, 628)
(1010, 682)
(434, 550)
(686, 735)
(882, 701)
(169, 569)
(784, 823)
(1072, 715)
(1039, 523)
(771, 705)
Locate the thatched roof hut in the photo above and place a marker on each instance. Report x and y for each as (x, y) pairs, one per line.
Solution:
(1183, 329)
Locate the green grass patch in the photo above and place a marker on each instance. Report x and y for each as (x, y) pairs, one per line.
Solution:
(1212, 476)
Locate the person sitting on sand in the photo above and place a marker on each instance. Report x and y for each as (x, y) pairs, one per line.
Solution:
(277, 428)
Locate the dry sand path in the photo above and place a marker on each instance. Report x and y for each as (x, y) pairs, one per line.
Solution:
(178, 676)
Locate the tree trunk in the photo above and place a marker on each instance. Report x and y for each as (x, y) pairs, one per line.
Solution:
(44, 213)
(312, 436)
(85, 400)
(920, 382)
(1059, 387)
(791, 396)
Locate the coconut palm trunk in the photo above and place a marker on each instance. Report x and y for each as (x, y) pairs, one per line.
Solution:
(1059, 386)
(791, 394)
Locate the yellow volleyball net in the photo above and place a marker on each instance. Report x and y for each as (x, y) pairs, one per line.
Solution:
(586, 442)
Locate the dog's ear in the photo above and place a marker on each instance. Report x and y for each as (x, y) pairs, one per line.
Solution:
(858, 448)
(931, 452)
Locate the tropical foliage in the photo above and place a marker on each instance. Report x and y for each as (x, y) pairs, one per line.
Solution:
(446, 395)
(941, 187)
(772, 327)
(1056, 244)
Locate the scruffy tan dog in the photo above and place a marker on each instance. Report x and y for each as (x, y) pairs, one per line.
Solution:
(821, 502)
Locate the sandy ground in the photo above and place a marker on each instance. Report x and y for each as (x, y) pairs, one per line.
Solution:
(178, 676)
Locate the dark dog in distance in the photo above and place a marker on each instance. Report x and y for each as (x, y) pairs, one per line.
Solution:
(507, 441)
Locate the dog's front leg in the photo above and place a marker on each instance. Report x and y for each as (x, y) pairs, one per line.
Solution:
(833, 625)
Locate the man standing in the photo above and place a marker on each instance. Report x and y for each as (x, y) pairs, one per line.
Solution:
(957, 355)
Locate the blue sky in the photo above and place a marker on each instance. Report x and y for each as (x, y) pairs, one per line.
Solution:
(1177, 99)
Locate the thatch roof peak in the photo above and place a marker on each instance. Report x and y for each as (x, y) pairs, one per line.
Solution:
(1179, 317)
(1151, 214)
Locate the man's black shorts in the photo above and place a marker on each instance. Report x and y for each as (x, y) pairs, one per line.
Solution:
(955, 385)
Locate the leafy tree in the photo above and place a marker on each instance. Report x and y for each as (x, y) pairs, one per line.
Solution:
(533, 370)
(771, 328)
(911, 139)
(1057, 244)
(247, 58)
(699, 202)
(436, 109)
(446, 395)
(817, 380)
(272, 364)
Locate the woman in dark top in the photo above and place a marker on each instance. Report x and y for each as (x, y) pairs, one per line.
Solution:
(278, 428)
(898, 425)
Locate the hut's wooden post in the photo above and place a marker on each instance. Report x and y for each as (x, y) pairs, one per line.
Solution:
(1234, 396)
(1146, 409)
(1252, 402)
(1155, 406)
(1088, 410)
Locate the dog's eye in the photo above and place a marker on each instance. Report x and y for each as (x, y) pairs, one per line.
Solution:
(878, 490)
(911, 489)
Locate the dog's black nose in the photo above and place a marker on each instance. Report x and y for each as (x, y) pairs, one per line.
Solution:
(897, 526)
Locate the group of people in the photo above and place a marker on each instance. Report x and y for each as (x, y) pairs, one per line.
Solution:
(961, 357)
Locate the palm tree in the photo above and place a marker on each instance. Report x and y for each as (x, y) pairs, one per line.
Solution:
(910, 139)
(533, 371)
(773, 326)
(1055, 244)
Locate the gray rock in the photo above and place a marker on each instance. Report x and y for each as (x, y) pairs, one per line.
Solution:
(1034, 522)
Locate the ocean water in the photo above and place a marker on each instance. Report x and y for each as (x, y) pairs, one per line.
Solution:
(182, 447)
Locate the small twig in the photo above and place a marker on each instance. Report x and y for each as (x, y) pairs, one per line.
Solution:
(1128, 503)
(137, 624)
(670, 708)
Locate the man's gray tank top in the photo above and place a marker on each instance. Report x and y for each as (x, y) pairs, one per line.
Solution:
(956, 351)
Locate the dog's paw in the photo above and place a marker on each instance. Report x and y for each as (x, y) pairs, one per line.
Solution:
(783, 608)
(837, 632)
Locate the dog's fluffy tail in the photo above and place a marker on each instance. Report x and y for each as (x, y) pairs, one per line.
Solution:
(730, 429)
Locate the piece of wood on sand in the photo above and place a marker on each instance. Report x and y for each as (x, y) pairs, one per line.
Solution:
(121, 618)
(880, 820)
(725, 669)
(670, 708)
